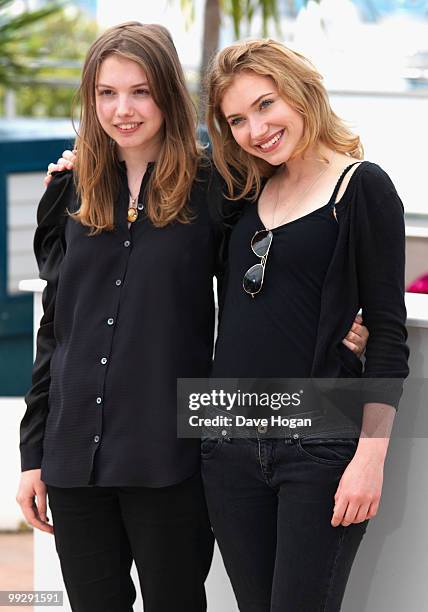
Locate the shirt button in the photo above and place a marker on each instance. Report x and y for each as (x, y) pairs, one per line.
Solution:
(96, 439)
(127, 243)
(99, 400)
(110, 321)
(224, 432)
(104, 360)
(295, 436)
(262, 429)
(118, 282)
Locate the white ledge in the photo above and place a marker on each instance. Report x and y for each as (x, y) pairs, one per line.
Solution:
(416, 303)
(34, 285)
(416, 231)
(417, 309)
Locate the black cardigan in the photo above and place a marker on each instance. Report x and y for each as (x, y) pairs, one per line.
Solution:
(366, 271)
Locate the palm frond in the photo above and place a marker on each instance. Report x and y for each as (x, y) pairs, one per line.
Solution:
(14, 52)
(235, 11)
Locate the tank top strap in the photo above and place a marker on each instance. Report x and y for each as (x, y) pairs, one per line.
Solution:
(332, 207)
(339, 183)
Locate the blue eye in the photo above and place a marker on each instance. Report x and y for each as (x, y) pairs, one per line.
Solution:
(265, 103)
(236, 121)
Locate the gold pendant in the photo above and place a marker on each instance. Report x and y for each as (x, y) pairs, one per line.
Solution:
(132, 214)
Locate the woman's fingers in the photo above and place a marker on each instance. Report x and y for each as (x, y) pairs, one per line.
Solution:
(351, 513)
(42, 502)
(372, 511)
(359, 328)
(31, 487)
(353, 347)
(362, 513)
(359, 491)
(339, 511)
(63, 163)
(356, 338)
(348, 511)
(69, 156)
(66, 161)
(32, 515)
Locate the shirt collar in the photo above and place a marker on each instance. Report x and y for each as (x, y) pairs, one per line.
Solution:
(122, 165)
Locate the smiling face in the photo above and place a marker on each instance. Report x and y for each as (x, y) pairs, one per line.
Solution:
(125, 108)
(261, 122)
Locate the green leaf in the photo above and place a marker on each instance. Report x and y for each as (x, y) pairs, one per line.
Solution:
(15, 34)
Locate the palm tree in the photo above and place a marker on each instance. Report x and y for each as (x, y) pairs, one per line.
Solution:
(241, 11)
(15, 58)
(211, 36)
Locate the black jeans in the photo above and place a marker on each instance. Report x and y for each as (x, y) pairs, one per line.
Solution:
(100, 530)
(271, 503)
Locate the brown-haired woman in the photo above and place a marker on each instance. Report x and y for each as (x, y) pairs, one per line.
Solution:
(128, 310)
(128, 246)
(324, 237)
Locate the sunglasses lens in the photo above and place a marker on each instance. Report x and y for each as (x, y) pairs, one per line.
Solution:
(261, 242)
(253, 279)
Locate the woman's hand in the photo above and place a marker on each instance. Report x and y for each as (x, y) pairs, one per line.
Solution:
(356, 338)
(32, 487)
(358, 495)
(65, 162)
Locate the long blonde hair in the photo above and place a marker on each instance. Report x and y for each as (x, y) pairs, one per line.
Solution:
(96, 176)
(298, 82)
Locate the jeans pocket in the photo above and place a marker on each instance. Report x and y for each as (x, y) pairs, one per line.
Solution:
(209, 447)
(329, 451)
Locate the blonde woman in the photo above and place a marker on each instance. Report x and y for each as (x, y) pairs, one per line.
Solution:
(323, 237)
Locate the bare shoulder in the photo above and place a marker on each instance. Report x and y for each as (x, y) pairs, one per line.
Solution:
(341, 162)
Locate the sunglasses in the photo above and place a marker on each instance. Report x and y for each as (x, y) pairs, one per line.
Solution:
(254, 276)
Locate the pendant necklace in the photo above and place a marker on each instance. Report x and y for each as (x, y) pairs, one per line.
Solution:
(134, 205)
(133, 208)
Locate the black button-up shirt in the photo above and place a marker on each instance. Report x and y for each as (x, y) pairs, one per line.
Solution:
(127, 312)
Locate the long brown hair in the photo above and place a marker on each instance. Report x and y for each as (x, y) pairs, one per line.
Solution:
(96, 175)
(298, 82)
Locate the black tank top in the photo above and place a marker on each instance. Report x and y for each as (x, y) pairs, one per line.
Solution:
(274, 334)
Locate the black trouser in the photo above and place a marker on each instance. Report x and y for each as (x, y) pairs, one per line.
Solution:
(270, 504)
(100, 530)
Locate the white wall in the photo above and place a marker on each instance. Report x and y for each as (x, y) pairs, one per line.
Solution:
(394, 132)
(24, 190)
